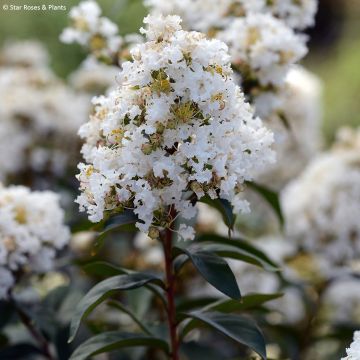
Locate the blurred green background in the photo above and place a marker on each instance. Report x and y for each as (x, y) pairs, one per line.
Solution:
(334, 53)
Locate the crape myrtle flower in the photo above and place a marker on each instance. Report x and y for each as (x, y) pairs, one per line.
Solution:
(32, 230)
(353, 352)
(97, 33)
(203, 15)
(321, 206)
(176, 128)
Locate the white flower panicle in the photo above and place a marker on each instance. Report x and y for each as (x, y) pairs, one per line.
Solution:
(262, 48)
(204, 15)
(322, 205)
(32, 230)
(97, 33)
(294, 114)
(353, 352)
(37, 132)
(177, 125)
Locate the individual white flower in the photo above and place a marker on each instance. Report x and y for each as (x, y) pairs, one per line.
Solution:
(177, 125)
(29, 53)
(321, 206)
(32, 230)
(262, 48)
(294, 114)
(353, 352)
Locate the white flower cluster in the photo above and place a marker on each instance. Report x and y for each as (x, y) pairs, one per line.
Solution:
(32, 230)
(262, 36)
(38, 127)
(353, 352)
(98, 34)
(322, 205)
(294, 114)
(262, 48)
(90, 29)
(176, 126)
(204, 15)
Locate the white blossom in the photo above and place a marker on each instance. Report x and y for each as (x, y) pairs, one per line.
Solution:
(32, 230)
(176, 125)
(38, 124)
(322, 207)
(353, 352)
(262, 48)
(204, 15)
(97, 33)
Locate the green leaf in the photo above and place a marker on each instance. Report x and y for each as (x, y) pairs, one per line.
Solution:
(247, 302)
(103, 269)
(214, 270)
(224, 207)
(238, 328)
(245, 251)
(103, 290)
(271, 197)
(113, 340)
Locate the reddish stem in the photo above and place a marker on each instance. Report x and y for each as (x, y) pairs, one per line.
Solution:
(170, 290)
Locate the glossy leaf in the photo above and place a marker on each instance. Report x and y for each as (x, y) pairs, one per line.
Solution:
(271, 197)
(103, 269)
(245, 250)
(214, 270)
(114, 340)
(103, 290)
(236, 327)
(224, 207)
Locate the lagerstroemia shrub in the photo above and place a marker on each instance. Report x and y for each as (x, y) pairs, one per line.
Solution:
(177, 130)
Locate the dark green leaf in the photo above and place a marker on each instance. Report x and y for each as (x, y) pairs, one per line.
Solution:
(247, 302)
(215, 270)
(103, 290)
(245, 251)
(103, 269)
(113, 340)
(224, 207)
(271, 197)
(238, 328)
